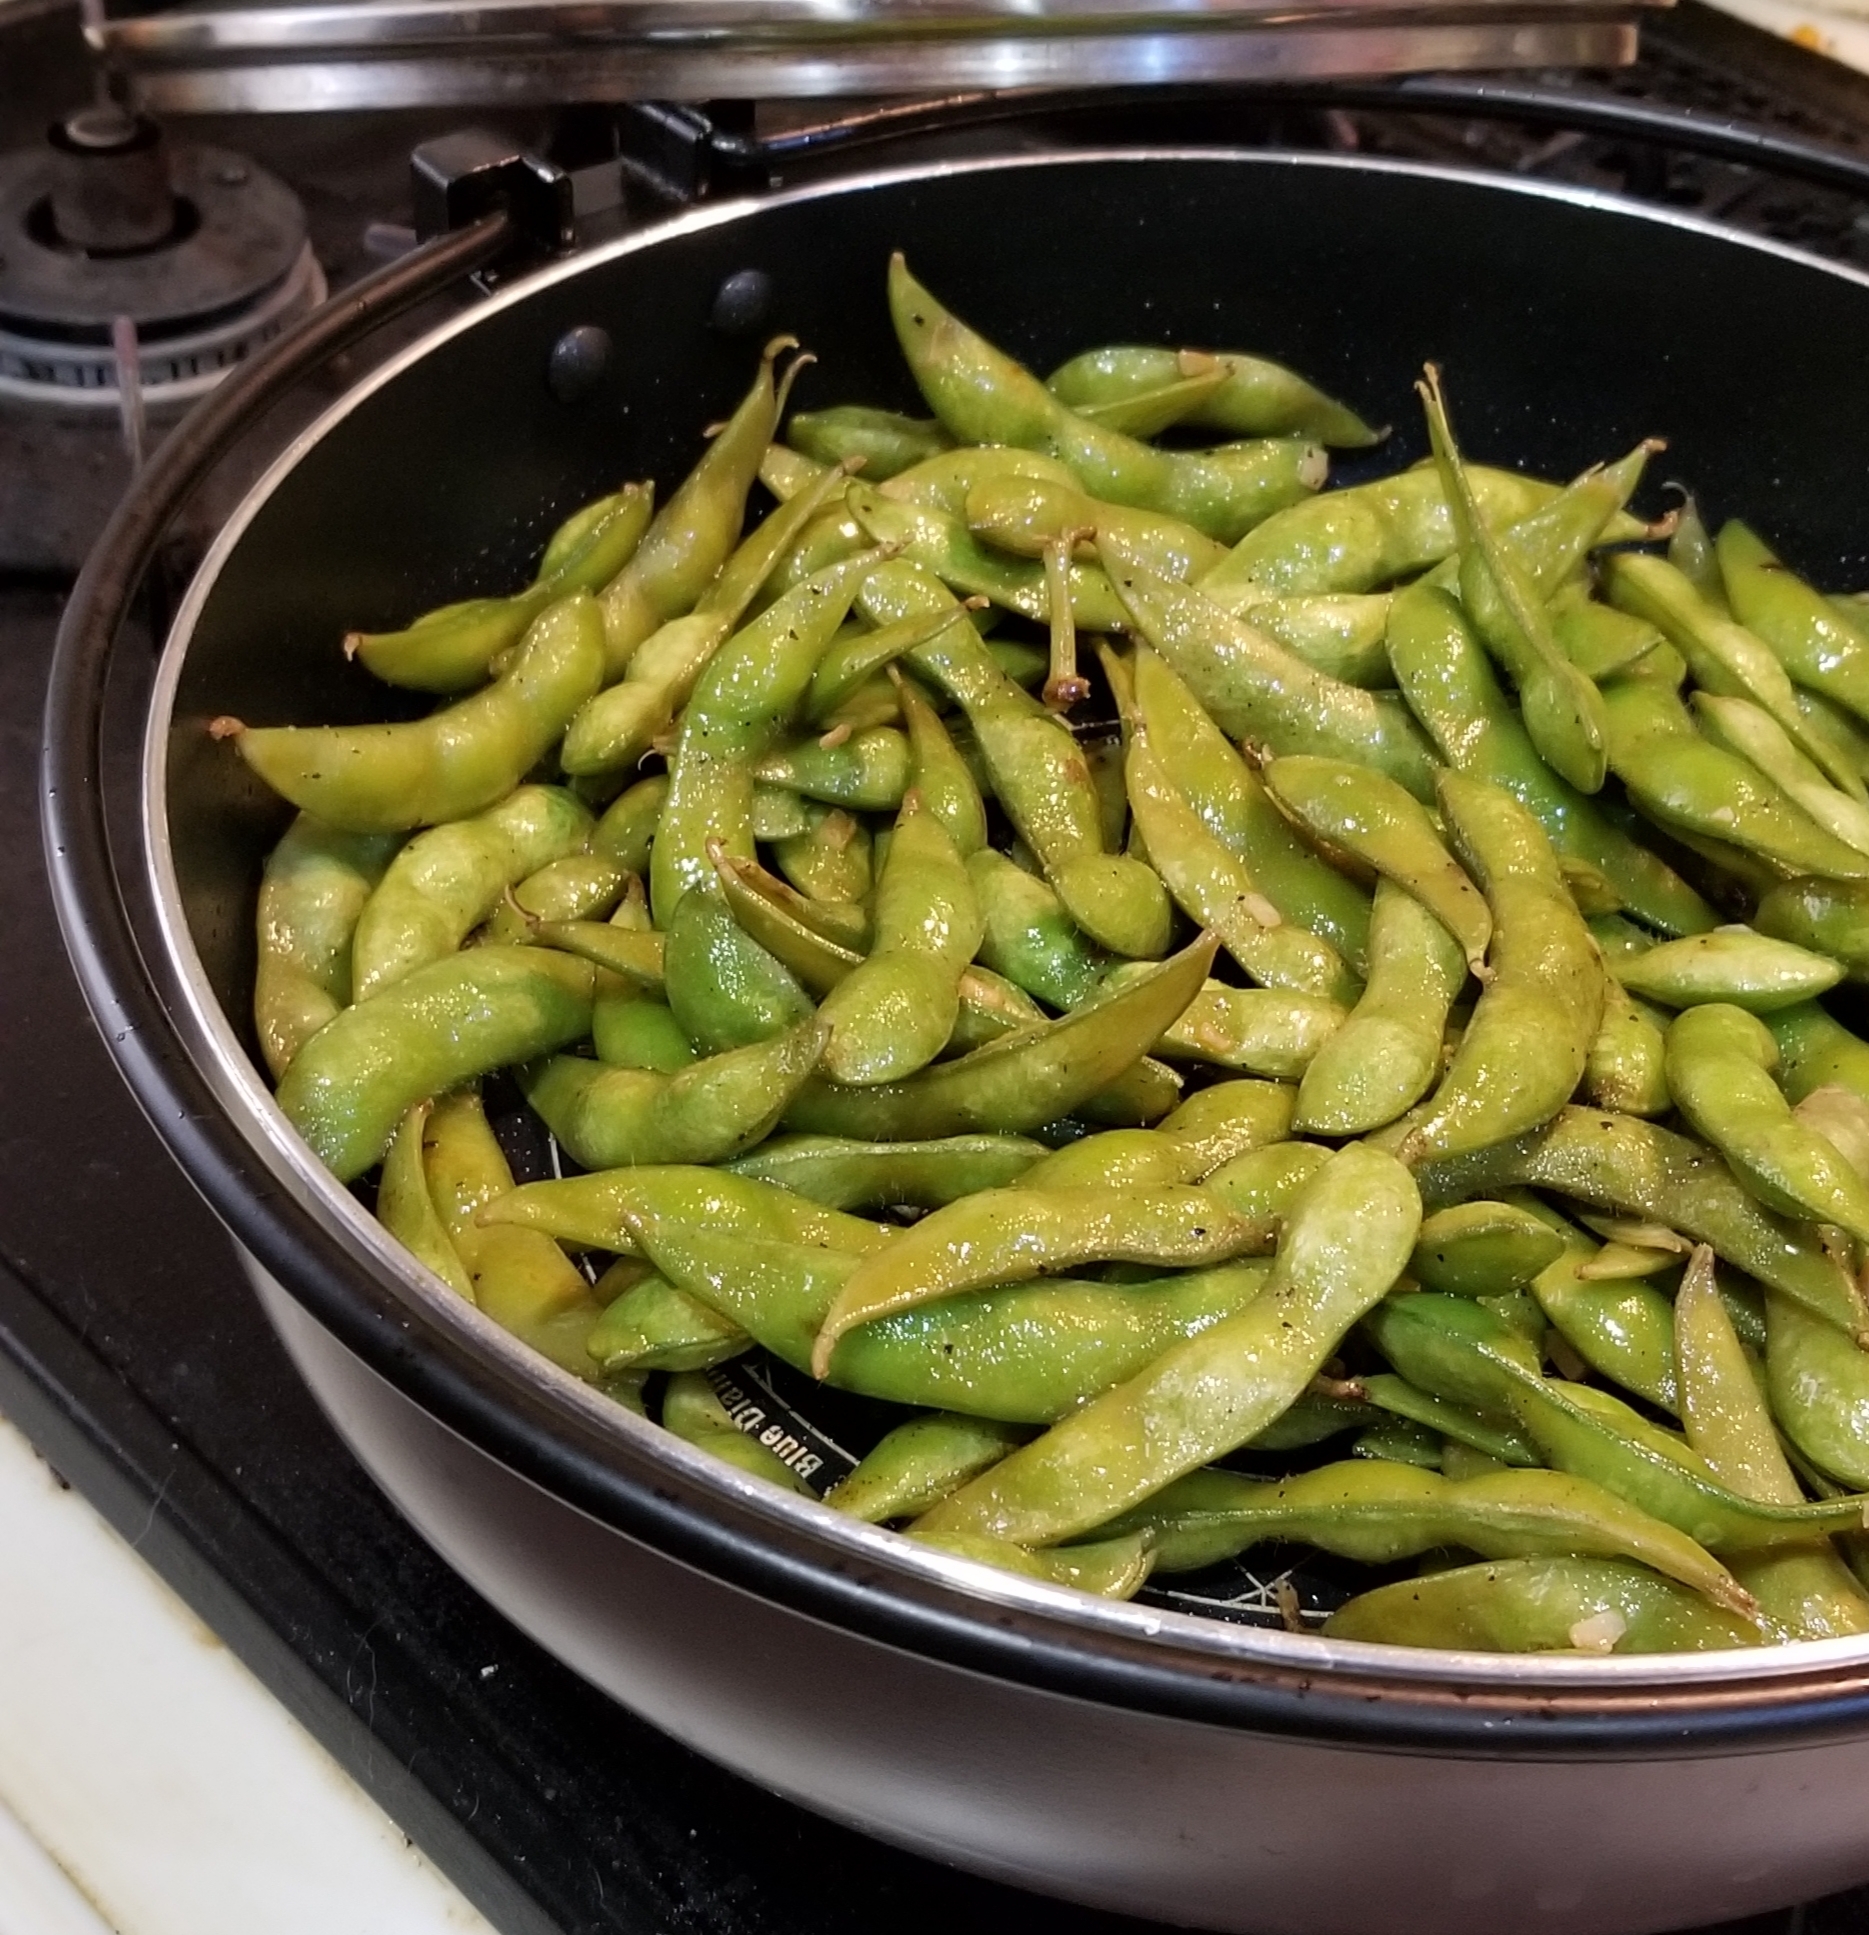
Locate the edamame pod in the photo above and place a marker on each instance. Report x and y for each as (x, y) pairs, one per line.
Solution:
(868, 772)
(725, 989)
(692, 1410)
(652, 1326)
(843, 1174)
(1483, 1249)
(1247, 396)
(1732, 964)
(886, 440)
(1827, 917)
(316, 883)
(1627, 1066)
(1816, 642)
(406, 1209)
(1741, 727)
(1817, 1051)
(378, 779)
(917, 1464)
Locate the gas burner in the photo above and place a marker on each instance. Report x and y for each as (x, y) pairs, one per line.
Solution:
(114, 245)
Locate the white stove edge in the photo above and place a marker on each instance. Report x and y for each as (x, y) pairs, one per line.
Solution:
(149, 1785)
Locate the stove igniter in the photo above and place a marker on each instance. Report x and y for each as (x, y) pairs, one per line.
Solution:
(203, 253)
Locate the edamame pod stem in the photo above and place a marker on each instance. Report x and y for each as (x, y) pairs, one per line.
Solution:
(606, 1118)
(1384, 1059)
(1818, 645)
(446, 881)
(695, 530)
(1347, 1240)
(1008, 1235)
(885, 440)
(594, 1210)
(1678, 779)
(446, 1023)
(1451, 688)
(1386, 828)
(917, 1464)
(983, 396)
(1635, 1168)
(1380, 1513)
(1231, 801)
(893, 1013)
(1720, 1063)
(1723, 656)
(378, 779)
(1257, 690)
(1022, 1081)
(1562, 709)
(1039, 773)
(1802, 1593)
(522, 1280)
(615, 728)
(1524, 1051)
(1246, 396)
(316, 883)
(1543, 1606)
(844, 1174)
(1025, 514)
(1371, 534)
(451, 650)
(406, 1209)
(1732, 964)
(1214, 887)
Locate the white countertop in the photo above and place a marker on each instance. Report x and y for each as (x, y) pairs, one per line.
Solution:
(149, 1785)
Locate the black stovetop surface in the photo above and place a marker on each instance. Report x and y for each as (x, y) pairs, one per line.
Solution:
(133, 1354)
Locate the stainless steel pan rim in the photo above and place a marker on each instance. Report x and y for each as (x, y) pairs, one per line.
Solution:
(1480, 1701)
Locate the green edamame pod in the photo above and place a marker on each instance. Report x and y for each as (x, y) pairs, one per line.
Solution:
(1541, 1606)
(446, 881)
(1380, 1514)
(1246, 396)
(894, 1012)
(1118, 1159)
(1562, 709)
(1818, 644)
(575, 887)
(316, 883)
(1635, 1168)
(1523, 1052)
(379, 779)
(442, 1025)
(1110, 1568)
(1256, 1031)
(1448, 1423)
(1216, 888)
(1802, 1592)
(1627, 1066)
(1827, 917)
(1483, 1249)
(1028, 936)
(886, 440)
(1451, 688)
(1386, 828)
(944, 482)
(522, 1280)
(1597, 638)
(983, 396)
(831, 859)
(1386, 1056)
(695, 530)
(451, 650)
(1227, 1120)
(858, 653)
(725, 989)
(842, 1174)
(652, 1326)
(631, 1029)
(1345, 1244)
(636, 955)
(626, 829)
(1262, 1184)
(606, 1118)
(1024, 515)
(1258, 690)
(1720, 1063)
(917, 1464)
(1817, 1377)
(1008, 1235)
(406, 1209)
(1741, 727)
(867, 772)
(1736, 965)
(938, 772)
(1231, 801)
(692, 1410)
(1344, 635)
(1620, 1327)
(1723, 656)
(1817, 1051)
(1692, 553)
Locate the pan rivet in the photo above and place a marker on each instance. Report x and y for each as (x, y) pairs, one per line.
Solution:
(577, 362)
(742, 303)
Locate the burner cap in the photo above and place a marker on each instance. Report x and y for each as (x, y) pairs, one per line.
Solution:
(207, 257)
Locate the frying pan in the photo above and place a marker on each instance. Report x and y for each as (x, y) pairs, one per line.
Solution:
(1212, 1774)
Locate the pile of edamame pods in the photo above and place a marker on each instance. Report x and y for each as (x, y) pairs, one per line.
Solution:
(1254, 1013)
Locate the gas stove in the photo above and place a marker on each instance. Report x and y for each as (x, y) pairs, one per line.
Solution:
(130, 1348)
